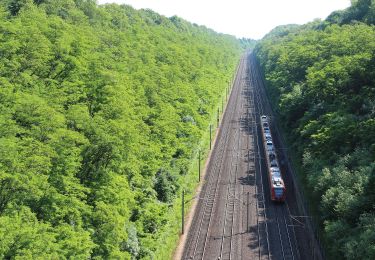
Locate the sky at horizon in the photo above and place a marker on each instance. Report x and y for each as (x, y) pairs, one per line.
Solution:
(241, 18)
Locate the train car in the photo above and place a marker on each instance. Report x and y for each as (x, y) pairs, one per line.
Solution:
(275, 180)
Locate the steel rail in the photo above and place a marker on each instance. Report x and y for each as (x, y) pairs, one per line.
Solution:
(233, 186)
(206, 195)
(237, 133)
(256, 137)
(209, 198)
(226, 207)
(294, 232)
(262, 109)
(256, 180)
(267, 103)
(290, 242)
(232, 112)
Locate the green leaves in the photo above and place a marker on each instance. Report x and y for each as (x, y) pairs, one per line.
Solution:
(166, 186)
(23, 236)
(95, 101)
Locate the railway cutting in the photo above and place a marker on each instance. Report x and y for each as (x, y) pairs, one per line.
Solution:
(236, 216)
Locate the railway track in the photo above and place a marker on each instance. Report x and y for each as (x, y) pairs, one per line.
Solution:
(235, 218)
(283, 245)
(199, 239)
(262, 225)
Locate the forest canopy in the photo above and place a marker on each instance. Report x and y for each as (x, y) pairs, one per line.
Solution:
(102, 108)
(321, 78)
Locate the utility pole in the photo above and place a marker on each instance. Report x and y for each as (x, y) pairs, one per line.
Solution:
(247, 212)
(199, 165)
(210, 135)
(183, 212)
(218, 117)
(222, 105)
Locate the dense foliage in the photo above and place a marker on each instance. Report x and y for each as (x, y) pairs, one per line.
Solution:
(102, 108)
(247, 43)
(321, 77)
(361, 10)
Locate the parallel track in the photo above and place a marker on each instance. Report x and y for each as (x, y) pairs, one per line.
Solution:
(262, 225)
(198, 239)
(280, 222)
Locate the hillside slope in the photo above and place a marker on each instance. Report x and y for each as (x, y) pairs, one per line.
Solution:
(102, 109)
(321, 78)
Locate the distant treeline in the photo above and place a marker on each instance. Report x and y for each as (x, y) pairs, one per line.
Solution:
(321, 78)
(102, 109)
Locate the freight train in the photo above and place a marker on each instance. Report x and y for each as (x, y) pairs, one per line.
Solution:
(275, 180)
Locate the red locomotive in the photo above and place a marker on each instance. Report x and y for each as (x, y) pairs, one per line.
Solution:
(277, 187)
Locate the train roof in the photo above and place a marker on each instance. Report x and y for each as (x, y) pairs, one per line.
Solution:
(273, 164)
(269, 147)
(277, 183)
(275, 171)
